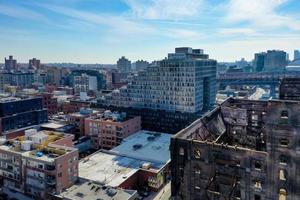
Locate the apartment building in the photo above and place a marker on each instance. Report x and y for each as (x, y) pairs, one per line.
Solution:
(85, 83)
(243, 149)
(18, 113)
(39, 164)
(124, 65)
(290, 89)
(184, 82)
(78, 120)
(108, 129)
(49, 102)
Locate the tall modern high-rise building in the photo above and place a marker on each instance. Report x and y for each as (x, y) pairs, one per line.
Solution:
(184, 82)
(275, 60)
(169, 94)
(84, 83)
(259, 60)
(10, 64)
(272, 60)
(141, 65)
(296, 55)
(124, 65)
(34, 63)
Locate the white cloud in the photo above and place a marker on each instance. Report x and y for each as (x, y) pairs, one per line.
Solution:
(21, 13)
(118, 24)
(260, 13)
(237, 32)
(183, 34)
(164, 9)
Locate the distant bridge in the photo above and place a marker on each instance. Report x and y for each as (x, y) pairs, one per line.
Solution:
(261, 78)
(271, 79)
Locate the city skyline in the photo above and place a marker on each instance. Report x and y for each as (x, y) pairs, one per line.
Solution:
(102, 31)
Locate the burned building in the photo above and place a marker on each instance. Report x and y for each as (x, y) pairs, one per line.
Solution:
(290, 89)
(243, 149)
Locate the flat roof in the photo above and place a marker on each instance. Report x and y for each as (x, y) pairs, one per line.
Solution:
(146, 145)
(85, 190)
(113, 167)
(107, 168)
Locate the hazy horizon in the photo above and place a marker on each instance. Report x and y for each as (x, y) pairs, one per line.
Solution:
(91, 31)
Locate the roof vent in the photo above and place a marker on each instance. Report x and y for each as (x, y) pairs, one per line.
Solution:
(79, 194)
(151, 138)
(111, 192)
(137, 146)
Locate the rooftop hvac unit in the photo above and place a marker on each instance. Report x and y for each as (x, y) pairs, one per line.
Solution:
(146, 165)
(30, 132)
(26, 145)
(2, 141)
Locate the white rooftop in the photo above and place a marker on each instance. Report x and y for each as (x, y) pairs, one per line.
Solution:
(113, 167)
(91, 191)
(146, 145)
(107, 168)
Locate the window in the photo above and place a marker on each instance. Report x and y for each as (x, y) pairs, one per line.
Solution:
(282, 175)
(197, 153)
(257, 197)
(284, 114)
(197, 169)
(181, 151)
(282, 194)
(59, 174)
(283, 159)
(257, 184)
(284, 142)
(257, 165)
(238, 193)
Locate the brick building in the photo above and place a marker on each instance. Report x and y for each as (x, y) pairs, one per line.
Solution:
(108, 129)
(290, 89)
(78, 120)
(49, 102)
(39, 164)
(243, 149)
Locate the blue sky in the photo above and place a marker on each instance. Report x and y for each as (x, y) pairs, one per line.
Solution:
(101, 31)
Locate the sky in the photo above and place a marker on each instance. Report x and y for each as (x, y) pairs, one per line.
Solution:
(101, 31)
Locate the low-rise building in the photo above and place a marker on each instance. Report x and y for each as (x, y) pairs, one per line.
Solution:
(78, 120)
(108, 129)
(39, 164)
(142, 160)
(95, 191)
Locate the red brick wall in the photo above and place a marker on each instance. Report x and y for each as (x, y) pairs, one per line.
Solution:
(66, 141)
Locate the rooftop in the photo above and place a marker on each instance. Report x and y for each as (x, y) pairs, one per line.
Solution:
(84, 112)
(115, 166)
(85, 190)
(37, 145)
(146, 145)
(107, 115)
(111, 170)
